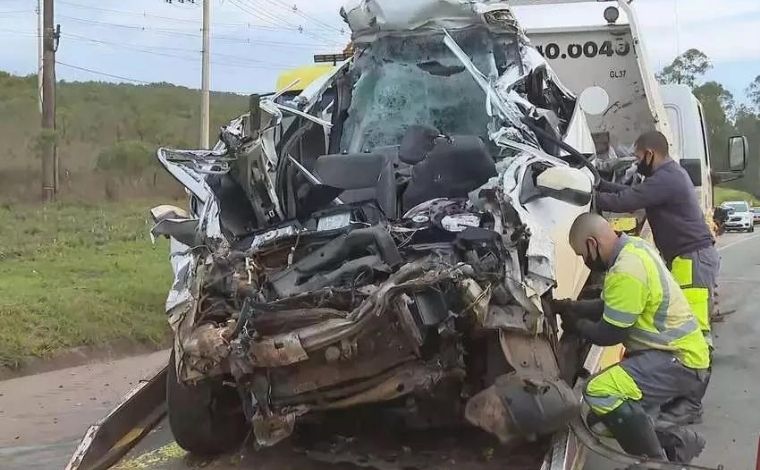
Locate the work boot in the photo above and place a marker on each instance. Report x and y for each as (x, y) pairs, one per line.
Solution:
(681, 445)
(682, 412)
(633, 430)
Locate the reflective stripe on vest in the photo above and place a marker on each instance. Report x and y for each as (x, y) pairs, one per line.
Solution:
(640, 293)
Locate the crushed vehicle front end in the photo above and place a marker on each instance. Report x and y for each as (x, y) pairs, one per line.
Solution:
(392, 235)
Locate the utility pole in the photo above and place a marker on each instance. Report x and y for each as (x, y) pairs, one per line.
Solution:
(39, 55)
(50, 36)
(205, 75)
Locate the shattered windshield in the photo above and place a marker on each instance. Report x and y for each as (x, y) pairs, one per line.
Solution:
(417, 80)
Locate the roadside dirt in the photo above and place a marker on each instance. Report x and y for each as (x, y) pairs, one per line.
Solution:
(81, 356)
(57, 406)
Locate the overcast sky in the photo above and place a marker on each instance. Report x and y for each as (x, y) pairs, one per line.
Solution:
(156, 41)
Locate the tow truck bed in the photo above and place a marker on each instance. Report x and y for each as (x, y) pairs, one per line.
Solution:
(158, 451)
(136, 435)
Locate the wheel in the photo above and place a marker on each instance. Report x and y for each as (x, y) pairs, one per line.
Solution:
(751, 229)
(206, 418)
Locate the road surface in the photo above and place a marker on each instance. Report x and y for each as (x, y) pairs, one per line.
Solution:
(43, 416)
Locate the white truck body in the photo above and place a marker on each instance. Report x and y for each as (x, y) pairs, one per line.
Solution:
(613, 56)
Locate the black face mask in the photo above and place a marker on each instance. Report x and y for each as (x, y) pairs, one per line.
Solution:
(596, 264)
(645, 168)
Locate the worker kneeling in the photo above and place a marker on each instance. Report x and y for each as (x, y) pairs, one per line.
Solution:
(666, 355)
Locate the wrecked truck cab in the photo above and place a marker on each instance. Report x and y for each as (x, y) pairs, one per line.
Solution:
(395, 241)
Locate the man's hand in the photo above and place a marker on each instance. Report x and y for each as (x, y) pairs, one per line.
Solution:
(565, 309)
(562, 305)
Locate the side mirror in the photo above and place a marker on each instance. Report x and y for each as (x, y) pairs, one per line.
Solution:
(738, 148)
(567, 184)
(694, 168)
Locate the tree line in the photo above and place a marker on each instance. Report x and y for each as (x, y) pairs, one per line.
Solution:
(107, 128)
(725, 117)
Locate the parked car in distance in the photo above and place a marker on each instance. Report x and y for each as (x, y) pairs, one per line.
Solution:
(740, 217)
(756, 214)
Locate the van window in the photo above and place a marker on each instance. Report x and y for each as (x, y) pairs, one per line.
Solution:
(705, 141)
(674, 119)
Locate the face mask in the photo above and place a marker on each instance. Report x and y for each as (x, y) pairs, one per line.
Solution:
(644, 168)
(596, 264)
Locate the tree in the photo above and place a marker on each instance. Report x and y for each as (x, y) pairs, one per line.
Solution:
(717, 106)
(687, 68)
(753, 93)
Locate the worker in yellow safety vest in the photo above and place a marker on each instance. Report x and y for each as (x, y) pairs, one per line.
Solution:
(666, 355)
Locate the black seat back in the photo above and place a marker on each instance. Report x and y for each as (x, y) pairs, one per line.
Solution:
(363, 177)
(454, 167)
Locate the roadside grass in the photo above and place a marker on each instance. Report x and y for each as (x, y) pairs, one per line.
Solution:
(727, 194)
(79, 275)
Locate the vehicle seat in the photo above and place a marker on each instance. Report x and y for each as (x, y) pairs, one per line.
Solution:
(454, 166)
(362, 176)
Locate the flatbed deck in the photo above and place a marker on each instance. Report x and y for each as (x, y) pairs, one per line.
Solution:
(420, 450)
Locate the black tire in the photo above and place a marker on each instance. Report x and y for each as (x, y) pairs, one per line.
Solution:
(751, 229)
(206, 418)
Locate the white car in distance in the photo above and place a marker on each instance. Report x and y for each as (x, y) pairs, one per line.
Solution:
(740, 216)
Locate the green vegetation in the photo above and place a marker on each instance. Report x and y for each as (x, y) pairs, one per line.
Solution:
(127, 157)
(724, 117)
(77, 275)
(100, 128)
(727, 194)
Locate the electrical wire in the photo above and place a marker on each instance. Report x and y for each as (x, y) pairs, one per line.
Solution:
(97, 72)
(186, 33)
(297, 11)
(260, 10)
(169, 18)
(232, 61)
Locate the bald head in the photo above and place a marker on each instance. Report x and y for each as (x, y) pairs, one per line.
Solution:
(591, 236)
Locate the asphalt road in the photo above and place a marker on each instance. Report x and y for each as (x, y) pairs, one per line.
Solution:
(40, 421)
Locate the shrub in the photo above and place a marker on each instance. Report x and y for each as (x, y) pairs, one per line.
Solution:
(129, 157)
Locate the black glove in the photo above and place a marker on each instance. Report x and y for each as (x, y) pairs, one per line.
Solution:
(561, 306)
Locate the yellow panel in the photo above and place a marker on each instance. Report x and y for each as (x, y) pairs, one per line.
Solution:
(623, 224)
(611, 355)
(306, 75)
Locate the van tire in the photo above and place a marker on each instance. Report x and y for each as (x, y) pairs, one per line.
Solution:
(205, 418)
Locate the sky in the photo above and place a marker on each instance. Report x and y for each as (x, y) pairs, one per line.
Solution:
(159, 41)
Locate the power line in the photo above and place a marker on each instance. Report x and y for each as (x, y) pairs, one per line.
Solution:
(233, 61)
(263, 12)
(186, 33)
(169, 18)
(97, 72)
(304, 15)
